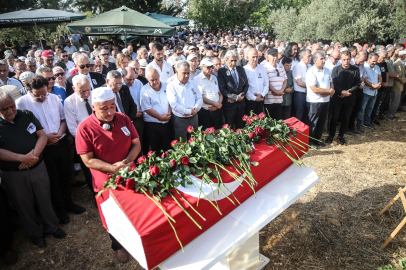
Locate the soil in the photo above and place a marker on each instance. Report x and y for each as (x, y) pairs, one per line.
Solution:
(334, 226)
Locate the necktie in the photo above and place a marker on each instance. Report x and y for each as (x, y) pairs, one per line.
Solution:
(88, 107)
(234, 76)
(120, 105)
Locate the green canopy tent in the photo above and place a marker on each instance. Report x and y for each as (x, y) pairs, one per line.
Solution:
(122, 21)
(168, 20)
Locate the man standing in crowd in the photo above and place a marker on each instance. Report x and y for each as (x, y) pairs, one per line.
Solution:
(209, 115)
(69, 48)
(48, 58)
(52, 88)
(233, 84)
(31, 64)
(383, 66)
(193, 62)
(104, 58)
(286, 105)
(164, 69)
(69, 64)
(319, 89)
(98, 130)
(346, 80)
(185, 100)
(19, 68)
(398, 85)
(157, 112)
(24, 175)
(299, 82)
(373, 81)
(332, 61)
(48, 110)
(4, 76)
(216, 67)
(137, 69)
(258, 84)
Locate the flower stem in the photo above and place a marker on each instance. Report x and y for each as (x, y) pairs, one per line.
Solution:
(184, 210)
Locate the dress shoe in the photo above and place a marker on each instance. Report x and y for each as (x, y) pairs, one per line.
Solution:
(353, 130)
(369, 126)
(377, 122)
(313, 145)
(360, 129)
(121, 255)
(39, 241)
(76, 209)
(321, 144)
(59, 233)
(349, 133)
(10, 257)
(64, 219)
(329, 140)
(342, 141)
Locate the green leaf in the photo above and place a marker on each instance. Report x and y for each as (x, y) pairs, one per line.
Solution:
(186, 168)
(192, 160)
(254, 163)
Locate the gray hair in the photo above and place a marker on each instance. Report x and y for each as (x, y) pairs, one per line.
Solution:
(30, 60)
(113, 74)
(302, 53)
(4, 95)
(229, 54)
(75, 55)
(80, 79)
(125, 51)
(31, 52)
(79, 56)
(182, 64)
(3, 63)
(176, 59)
(134, 60)
(390, 48)
(38, 53)
(42, 70)
(318, 54)
(382, 52)
(58, 67)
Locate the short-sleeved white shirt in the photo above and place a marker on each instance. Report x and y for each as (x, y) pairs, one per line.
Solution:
(208, 88)
(299, 71)
(321, 78)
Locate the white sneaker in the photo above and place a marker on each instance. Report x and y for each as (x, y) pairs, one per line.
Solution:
(77, 167)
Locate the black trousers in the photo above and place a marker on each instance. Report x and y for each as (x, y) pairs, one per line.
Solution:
(300, 106)
(254, 106)
(6, 232)
(274, 110)
(139, 126)
(286, 112)
(355, 109)
(115, 245)
(317, 118)
(234, 117)
(159, 136)
(337, 105)
(209, 119)
(57, 161)
(385, 101)
(378, 102)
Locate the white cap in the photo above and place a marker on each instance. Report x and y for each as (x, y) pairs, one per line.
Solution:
(167, 52)
(191, 56)
(12, 90)
(143, 63)
(91, 62)
(34, 46)
(102, 94)
(22, 58)
(191, 48)
(25, 75)
(402, 52)
(207, 62)
(281, 49)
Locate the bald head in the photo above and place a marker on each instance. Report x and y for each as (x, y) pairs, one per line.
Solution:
(153, 79)
(335, 56)
(151, 72)
(129, 76)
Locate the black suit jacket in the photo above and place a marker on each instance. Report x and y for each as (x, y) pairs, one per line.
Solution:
(97, 81)
(230, 90)
(130, 108)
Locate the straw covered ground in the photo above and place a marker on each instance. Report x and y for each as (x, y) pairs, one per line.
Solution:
(333, 226)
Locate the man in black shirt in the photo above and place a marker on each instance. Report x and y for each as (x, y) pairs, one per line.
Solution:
(383, 55)
(346, 79)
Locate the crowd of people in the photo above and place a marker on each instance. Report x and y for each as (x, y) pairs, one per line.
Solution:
(68, 107)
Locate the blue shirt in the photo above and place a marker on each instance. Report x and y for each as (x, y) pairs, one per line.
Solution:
(60, 92)
(372, 77)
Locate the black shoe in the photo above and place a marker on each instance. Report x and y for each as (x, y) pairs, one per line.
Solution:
(329, 139)
(349, 133)
(313, 145)
(381, 117)
(79, 184)
(321, 144)
(353, 131)
(76, 209)
(377, 121)
(369, 126)
(342, 141)
(64, 219)
(59, 233)
(39, 241)
(360, 129)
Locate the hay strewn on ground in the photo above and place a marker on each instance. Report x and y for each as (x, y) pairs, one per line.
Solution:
(333, 226)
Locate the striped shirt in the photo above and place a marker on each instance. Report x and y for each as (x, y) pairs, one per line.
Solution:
(276, 81)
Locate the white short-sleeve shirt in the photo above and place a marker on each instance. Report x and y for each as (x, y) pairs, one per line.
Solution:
(208, 88)
(321, 78)
(299, 71)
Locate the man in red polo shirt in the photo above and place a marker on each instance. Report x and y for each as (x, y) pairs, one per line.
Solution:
(107, 141)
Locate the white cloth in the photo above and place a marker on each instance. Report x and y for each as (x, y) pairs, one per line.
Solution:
(165, 73)
(299, 72)
(320, 78)
(12, 81)
(183, 97)
(49, 113)
(156, 100)
(208, 88)
(75, 111)
(257, 80)
(192, 76)
(294, 63)
(71, 49)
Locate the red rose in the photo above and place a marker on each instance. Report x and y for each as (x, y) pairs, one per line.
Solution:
(150, 153)
(154, 170)
(163, 155)
(210, 130)
(205, 132)
(190, 129)
(173, 163)
(225, 126)
(174, 142)
(255, 117)
(259, 130)
(239, 131)
(185, 160)
(133, 167)
(129, 184)
(251, 135)
(261, 115)
(191, 140)
(119, 179)
(245, 118)
(140, 160)
(265, 134)
(232, 130)
(249, 121)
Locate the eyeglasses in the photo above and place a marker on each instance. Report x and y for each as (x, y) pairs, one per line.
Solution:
(65, 56)
(31, 66)
(335, 59)
(211, 67)
(50, 78)
(21, 69)
(59, 74)
(117, 84)
(38, 97)
(104, 54)
(83, 66)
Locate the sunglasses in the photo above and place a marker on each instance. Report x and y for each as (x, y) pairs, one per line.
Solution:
(83, 66)
(50, 78)
(277, 72)
(65, 56)
(59, 74)
(104, 54)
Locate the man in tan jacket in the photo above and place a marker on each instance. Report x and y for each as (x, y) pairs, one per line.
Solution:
(397, 86)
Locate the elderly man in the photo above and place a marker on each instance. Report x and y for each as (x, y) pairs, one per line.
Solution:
(52, 88)
(98, 66)
(398, 85)
(319, 89)
(157, 113)
(23, 78)
(299, 82)
(4, 76)
(277, 85)
(31, 64)
(24, 174)
(38, 58)
(185, 99)
(104, 57)
(19, 68)
(142, 53)
(332, 61)
(383, 66)
(135, 64)
(131, 52)
(233, 85)
(373, 81)
(102, 154)
(217, 66)
(177, 51)
(48, 109)
(193, 62)
(258, 83)
(346, 81)
(82, 63)
(48, 58)
(77, 108)
(209, 115)
(164, 68)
